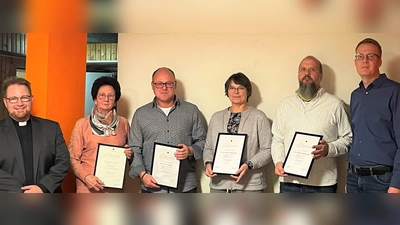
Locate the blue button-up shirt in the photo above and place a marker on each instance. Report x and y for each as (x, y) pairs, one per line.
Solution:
(375, 121)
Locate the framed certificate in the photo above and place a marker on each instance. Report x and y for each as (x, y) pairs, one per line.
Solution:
(299, 159)
(110, 165)
(228, 153)
(165, 168)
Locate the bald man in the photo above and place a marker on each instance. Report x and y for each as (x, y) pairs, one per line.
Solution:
(170, 121)
(311, 110)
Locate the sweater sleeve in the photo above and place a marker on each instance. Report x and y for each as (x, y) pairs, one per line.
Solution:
(264, 136)
(342, 144)
(278, 147)
(75, 150)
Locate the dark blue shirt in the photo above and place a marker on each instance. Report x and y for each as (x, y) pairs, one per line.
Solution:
(375, 121)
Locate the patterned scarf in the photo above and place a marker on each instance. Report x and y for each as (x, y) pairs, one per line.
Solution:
(97, 123)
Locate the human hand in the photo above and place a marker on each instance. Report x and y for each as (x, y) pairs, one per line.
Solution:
(321, 150)
(209, 172)
(279, 170)
(31, 189)
(93, 182)
(149, 181)
(393, 190)
(240, 172)
(128, 151)
(183, 152)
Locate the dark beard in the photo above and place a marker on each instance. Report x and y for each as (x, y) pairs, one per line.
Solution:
(307, 91)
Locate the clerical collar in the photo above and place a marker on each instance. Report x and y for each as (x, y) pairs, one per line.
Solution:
(304, 99)
(20, 124)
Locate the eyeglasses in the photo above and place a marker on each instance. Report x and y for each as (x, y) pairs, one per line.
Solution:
(370, 56)
(103, 96)
(239, 89)
(24, 98)
(168, 84)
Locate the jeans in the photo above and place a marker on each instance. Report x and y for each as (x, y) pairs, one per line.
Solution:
(368, 184)
(301, 188)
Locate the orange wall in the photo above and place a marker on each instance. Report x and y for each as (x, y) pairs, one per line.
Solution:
(55, 16)
(56, 68)
(56, 62)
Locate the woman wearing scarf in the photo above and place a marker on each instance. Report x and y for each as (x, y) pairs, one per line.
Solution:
(240, 118)
(103, 125)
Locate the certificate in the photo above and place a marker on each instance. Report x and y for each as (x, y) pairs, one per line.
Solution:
(299, 159)
(110, 165)
(228, 153)
(165, 168)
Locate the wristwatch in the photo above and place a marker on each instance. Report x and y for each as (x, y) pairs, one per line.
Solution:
(249, 164)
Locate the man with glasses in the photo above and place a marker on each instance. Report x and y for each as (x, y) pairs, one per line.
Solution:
(33, 154)
(314, 111)
(375, 119)
(170, 121)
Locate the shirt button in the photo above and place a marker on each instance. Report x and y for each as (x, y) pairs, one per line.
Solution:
(359, 154)
(360, 141)
(366, 92)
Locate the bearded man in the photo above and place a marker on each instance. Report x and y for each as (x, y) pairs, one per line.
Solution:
(311, 110)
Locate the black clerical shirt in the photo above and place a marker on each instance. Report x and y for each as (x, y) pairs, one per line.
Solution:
(24, 131)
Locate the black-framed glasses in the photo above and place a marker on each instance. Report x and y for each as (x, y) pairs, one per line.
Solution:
(23, 98)
(104, 96)
(369, 56)
(168, 84)
(239, 89)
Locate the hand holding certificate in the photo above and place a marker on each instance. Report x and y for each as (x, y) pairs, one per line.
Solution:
(299, 159)
(165, 168)
(110, 165)
(228, 153)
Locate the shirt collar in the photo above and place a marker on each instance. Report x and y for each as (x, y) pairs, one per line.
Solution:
(19, 124)
(176, 102)
(376, 83)
(320, 92)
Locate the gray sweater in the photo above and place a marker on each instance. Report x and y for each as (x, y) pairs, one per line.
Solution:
(256, 125)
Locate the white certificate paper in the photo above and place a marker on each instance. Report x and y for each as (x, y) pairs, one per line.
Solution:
(228, 153)
(165, 168)
(299, 159)
(110, 165)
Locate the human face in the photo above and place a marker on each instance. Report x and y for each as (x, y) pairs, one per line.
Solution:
(309, 72)
(164, 95)
(237, 94)
(105, 99)
(368, 68)
(19, 111)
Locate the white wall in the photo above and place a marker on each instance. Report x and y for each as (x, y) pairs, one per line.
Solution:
(203, 61)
